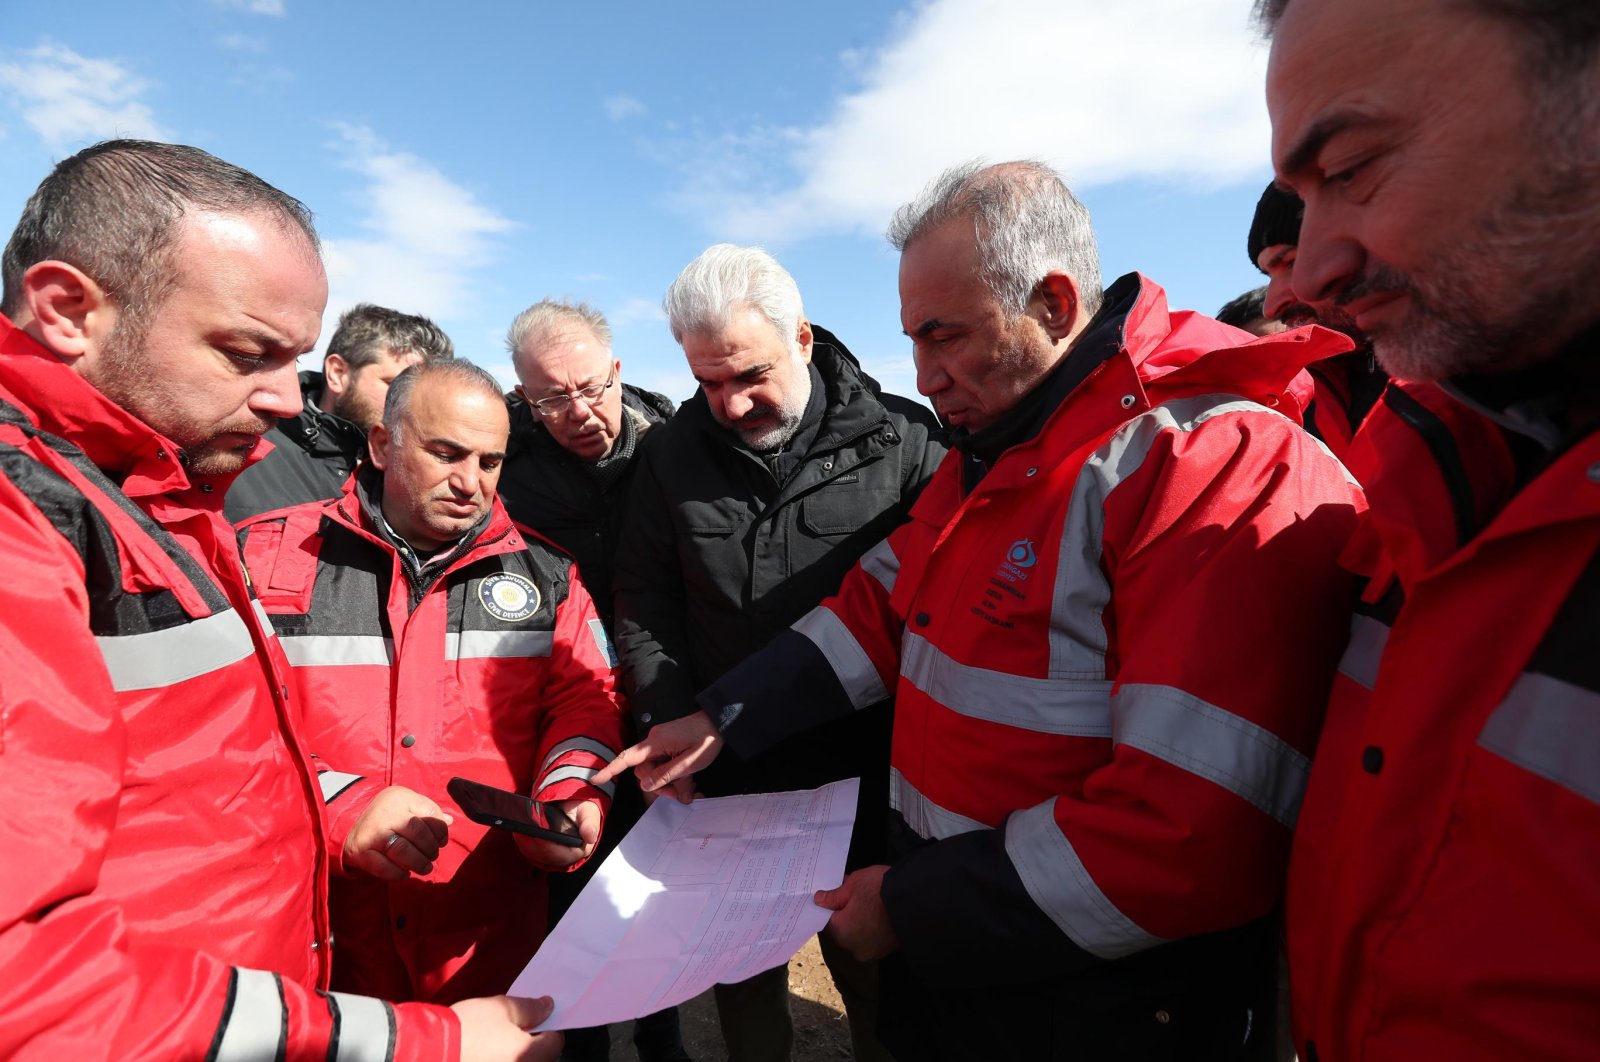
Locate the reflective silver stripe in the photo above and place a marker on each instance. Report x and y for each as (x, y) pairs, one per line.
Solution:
(582, 774)
(923, 815)
(253, 1027)
(602, 642)
(364, 1028)
(1077, 633)
(851, 664)
(263, 617)
(881, 563)
(166, 657)
(1060, 884)
(337, 650)
(579, 744)
(1245, 759)
(481, 645)
(1364, 654)
(1551, 728)
(1080, 707)
(335, 782)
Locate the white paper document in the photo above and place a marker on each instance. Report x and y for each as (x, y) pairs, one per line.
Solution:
(716, 890)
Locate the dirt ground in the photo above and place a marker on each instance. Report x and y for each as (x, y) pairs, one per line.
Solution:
(820, 1031)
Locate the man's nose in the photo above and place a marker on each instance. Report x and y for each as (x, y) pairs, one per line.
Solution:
(931, 377)
(1328, 259)
(736, 403)
(277, 392)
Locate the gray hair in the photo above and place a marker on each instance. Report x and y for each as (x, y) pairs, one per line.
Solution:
(1560, 36)
(1027, 223)
(548, 318)
(457, 370)
(366, 332)
(112, 210)
(726, 279)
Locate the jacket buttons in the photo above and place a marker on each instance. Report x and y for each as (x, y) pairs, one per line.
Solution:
(1163, 1017)
(161, 455)
(645, 717)
(1594, 472)
(921, 619)
(1128, 401)
(827, 466)
(206, 488)
(316, 945)
(1372, 759)
(407, 741)
(888, 436)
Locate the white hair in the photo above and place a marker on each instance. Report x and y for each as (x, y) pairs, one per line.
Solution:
(726, 279)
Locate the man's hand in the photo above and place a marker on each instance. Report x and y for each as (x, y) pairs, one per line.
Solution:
(496, 1027)
(548, 855)
(860, 923)
(398, 834)
(671, 751)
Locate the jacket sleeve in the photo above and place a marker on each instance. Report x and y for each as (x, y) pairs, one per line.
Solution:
(74, 981)
(652, 644)
(841, 657)
(1224, 616)
(580, 717)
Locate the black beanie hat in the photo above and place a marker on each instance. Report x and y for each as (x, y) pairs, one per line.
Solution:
(1277, 221)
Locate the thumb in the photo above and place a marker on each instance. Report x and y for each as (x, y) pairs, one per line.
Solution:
(832, 899)
(528, 1013)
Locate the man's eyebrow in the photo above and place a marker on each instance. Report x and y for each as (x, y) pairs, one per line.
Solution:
(930, 325)
(445, 443)
(1303, 152)
(236, 334)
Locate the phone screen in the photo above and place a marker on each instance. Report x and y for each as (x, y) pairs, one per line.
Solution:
(512, 811)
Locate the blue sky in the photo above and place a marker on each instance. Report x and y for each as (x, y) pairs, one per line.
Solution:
(467, 159)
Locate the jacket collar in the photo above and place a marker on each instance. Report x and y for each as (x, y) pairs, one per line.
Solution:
(62, 403)
(318, 431)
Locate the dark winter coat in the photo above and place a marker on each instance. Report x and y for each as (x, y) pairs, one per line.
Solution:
(312, 456)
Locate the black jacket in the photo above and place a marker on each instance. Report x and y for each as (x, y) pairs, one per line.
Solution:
(718, 557)
(548, 489)
(313, 454)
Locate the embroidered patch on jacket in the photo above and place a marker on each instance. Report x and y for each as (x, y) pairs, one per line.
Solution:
(508, 597)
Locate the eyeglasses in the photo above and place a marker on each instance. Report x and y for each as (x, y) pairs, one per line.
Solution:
(556, 405)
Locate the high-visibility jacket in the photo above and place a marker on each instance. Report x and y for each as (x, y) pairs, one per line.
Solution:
(1108, 659)
(162, 882)
(488, 663)
(1444, 890)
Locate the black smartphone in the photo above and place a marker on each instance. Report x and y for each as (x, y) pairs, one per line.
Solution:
(514, 812)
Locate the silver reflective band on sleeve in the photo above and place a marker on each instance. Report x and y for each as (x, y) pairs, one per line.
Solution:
(1363, 656)
(335, 782)
(851, 664)
(602, 642)
(1059, 883)
(1247, 760)
(337, 650)
(1079, 707)
(1551, 728)
(881, 563)
(485, 645)
(261, 615)
(253, 1026)
(582, 774)
(166, 657)
(363, 1026)
(925, 817)
(578, 744)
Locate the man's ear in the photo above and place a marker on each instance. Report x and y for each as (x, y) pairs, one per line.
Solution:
(1057, 305)
(66, 310)
(379, 440)
(803, 339)
(336, 374)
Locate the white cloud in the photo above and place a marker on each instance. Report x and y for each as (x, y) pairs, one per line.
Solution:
(1170, 92)
(637, 311)
(252, 7)
(242, 42)
(425, 236)
(621, 106)
(70, 100)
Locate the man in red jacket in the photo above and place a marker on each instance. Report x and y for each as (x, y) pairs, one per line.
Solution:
(432, 638)
(165, 882)
(1444, 897)
(1106, 627)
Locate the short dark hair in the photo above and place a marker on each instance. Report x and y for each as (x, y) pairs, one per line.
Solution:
(112, 210)
(464, 372)
(1563, 33)
(1250, 306)
(366, 332)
